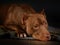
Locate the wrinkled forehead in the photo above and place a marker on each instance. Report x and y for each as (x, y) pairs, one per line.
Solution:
(38, 16)
(33, 18)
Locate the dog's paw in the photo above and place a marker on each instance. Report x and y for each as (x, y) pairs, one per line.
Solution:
(22, 35)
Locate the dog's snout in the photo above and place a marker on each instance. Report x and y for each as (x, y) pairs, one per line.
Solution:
(48, 36)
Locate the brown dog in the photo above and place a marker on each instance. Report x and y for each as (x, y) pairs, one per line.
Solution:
(25, 21)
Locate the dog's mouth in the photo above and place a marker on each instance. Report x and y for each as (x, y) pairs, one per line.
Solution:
(41, 37)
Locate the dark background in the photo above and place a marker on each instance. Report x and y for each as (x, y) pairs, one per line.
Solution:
(52, 9)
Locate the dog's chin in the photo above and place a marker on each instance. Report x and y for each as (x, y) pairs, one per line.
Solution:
(41, 38)
(44, 39)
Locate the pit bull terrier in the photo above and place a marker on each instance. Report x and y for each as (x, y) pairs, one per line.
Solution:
(25, 21)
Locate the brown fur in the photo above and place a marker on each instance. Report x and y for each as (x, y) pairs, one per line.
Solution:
(23, 19)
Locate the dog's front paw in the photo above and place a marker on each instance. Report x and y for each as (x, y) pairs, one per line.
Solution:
(22, 35)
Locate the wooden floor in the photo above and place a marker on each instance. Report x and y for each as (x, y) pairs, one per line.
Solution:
(27, 42)
(31, 41)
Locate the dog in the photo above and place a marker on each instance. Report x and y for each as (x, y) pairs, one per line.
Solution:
(24, 20)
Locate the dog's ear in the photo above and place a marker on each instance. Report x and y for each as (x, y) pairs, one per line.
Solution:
(25, 17)
(42, 12)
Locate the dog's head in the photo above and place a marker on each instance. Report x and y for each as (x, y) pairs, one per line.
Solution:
(37, 26)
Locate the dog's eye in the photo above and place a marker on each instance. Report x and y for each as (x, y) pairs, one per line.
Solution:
(36, 27)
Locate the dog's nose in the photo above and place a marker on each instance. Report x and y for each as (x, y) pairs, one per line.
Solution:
(48, 36)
